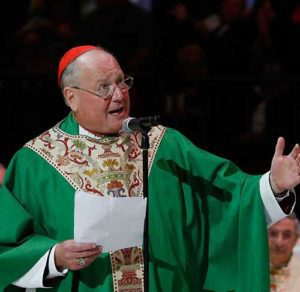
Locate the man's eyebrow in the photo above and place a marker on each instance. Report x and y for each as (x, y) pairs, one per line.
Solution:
(106, 81)
(101, 80)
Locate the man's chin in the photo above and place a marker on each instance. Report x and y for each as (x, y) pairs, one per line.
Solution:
(279, 262)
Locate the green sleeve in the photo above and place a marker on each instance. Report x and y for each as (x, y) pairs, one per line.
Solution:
(36, 212)
(207, 222)
(22, 239)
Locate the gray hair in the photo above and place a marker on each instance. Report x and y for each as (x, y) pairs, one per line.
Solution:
(70, 75)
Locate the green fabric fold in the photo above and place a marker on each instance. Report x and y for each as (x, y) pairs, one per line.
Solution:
(207, 229)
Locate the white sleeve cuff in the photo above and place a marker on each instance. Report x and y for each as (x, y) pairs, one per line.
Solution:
(53, 272)
(34, 277)
(273, 211)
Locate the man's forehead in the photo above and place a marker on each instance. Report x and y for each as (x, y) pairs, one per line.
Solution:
(284, 224)
(99, 65)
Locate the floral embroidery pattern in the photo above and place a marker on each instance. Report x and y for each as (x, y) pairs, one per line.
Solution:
(93, 165)
(106, 167)
(279, 279)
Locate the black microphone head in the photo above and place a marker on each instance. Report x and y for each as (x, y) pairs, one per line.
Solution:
(152, 121)
(144, 124)
(125, 125)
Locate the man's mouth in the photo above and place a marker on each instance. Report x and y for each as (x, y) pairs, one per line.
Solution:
(116, 112)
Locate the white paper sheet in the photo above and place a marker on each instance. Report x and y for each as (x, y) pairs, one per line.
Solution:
(113, 223)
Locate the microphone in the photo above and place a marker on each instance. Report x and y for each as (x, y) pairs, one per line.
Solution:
(139, 124)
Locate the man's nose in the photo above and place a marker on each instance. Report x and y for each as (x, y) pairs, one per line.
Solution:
(280, 239)
(117, 94)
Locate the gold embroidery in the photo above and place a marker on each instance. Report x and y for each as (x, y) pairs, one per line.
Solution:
(279, 279)
(106, 167)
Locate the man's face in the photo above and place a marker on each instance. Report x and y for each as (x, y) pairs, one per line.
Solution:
(282, 238)
(101, 116)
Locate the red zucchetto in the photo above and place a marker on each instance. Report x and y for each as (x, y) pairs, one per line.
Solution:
(69, 57)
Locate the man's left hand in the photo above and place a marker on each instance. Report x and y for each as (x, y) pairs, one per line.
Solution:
(285, 169)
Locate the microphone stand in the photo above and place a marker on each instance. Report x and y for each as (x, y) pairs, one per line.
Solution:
(145, 146)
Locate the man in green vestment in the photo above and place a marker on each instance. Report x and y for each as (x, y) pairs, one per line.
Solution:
(207, 218)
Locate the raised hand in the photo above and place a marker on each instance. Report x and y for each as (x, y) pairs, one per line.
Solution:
(285, 169)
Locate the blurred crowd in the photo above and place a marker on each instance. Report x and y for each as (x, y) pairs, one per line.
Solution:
(195, 37)
(223, 71)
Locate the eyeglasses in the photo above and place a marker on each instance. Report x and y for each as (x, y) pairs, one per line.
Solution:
(107, 91)
(286, 235)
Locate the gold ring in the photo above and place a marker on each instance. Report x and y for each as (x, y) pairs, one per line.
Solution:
(81, 261)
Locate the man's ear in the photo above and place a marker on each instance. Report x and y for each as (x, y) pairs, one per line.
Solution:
(70, 98)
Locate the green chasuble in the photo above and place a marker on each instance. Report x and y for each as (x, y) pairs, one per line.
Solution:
(207, 229)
